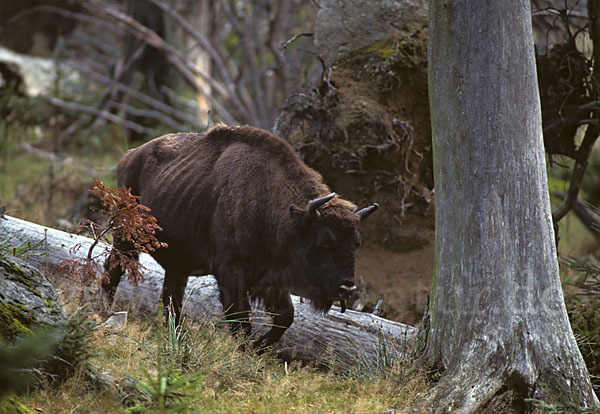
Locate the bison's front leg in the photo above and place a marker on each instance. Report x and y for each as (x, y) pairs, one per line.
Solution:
(283, 316)
(234, 298)
(112, 266)
(172, 294)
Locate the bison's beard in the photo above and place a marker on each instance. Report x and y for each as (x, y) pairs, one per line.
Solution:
(319, 300)
(321, 304)
(271, 298)
(283, 281)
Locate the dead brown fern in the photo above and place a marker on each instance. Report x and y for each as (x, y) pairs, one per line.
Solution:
(127, 220)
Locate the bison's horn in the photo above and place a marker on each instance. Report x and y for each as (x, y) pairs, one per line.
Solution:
(315, 204)
(366, 212)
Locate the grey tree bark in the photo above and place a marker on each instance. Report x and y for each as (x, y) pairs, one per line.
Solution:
(496, 329)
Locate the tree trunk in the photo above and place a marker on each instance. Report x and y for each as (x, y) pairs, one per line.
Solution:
(496, 328)
(342, 338)
(201, 14)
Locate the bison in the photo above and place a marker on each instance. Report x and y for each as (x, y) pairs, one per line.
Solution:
(239, 203)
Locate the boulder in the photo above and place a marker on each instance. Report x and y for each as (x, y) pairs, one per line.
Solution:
(27, 299)
(343, 25)
(37, 340)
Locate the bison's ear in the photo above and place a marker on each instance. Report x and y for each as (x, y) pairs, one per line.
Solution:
(300, 218)
(295, 212)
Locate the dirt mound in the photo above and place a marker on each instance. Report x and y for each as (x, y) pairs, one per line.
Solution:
(367, 130)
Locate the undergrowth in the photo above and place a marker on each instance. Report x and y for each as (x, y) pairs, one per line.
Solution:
(582, 299)
(200, 367)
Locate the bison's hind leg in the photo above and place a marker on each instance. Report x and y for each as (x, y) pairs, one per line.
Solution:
(112, 266)
(234, 298)
(283, 316)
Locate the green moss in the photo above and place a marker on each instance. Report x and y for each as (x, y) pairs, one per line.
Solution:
(383, 49)
(232, 41)
(25, 280)
(11, 404)
(15, 320)
(386, 56)
(17, 272)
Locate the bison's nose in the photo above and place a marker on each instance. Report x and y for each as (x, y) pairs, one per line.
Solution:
(347, 287)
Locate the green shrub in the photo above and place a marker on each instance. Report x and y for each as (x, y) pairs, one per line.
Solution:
(49, 355)
(74, 350)
(582, 299)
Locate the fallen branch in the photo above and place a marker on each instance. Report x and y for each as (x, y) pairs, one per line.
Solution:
(581, 161)
(348, 337)
(587, 216)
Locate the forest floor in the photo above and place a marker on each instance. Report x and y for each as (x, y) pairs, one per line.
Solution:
(202, 368)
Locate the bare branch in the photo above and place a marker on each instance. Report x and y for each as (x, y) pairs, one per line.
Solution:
(202, 41)
(82, 17)
(142, 97)
(591, 134)
(252, 56)
(284, 45)
(587, 216)
(582, 156)
(54, 158)
(251, 95)
(102, 114)
(188, 70)
(575, 115)
(188, 103)
(149, 113)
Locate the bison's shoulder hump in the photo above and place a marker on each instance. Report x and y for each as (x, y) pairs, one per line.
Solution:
(166, 147)
(257, 138)
(157, 152)
(172, 144)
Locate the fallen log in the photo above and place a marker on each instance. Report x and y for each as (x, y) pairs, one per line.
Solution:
(347, 337)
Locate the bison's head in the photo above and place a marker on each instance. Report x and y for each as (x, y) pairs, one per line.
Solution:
(324, 250)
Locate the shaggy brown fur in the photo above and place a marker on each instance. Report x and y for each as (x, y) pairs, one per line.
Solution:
(232, 202)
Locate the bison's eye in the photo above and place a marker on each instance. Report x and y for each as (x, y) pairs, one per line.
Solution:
(326, 239)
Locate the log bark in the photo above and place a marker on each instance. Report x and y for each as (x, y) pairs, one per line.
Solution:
(341, 338)
(497, 327)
